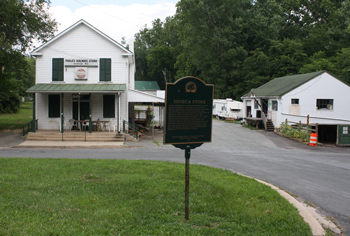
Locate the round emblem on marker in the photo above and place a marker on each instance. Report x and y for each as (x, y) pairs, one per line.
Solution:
(191, 87)
(81, 73)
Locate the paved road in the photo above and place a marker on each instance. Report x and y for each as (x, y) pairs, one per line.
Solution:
(320, 175)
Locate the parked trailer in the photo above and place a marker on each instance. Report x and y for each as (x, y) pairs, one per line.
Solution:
(219, 107)
(227, 109)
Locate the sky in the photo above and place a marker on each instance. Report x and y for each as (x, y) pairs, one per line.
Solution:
(116, 18)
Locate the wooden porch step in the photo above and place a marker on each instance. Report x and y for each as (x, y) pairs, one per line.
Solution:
(270, 126)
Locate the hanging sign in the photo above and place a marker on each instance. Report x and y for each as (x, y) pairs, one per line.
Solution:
(188, 111)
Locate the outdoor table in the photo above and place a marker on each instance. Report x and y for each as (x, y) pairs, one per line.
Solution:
(97, 122)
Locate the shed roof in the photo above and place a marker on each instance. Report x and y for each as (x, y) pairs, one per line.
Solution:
(75, 88)
(146, 85)
(283, 85)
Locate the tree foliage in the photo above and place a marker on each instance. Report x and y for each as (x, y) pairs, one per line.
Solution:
(238, 45)
(22, 23)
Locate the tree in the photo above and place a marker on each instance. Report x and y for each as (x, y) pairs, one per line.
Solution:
(22, 22)
(156, 50)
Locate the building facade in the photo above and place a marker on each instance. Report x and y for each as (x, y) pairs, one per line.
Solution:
(318, 96)
(82, 74)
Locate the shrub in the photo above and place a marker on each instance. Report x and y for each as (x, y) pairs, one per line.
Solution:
(294, 132)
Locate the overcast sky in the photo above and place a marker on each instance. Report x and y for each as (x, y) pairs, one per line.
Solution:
(116, 18)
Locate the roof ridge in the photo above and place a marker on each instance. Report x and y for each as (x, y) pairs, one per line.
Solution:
(73, 26)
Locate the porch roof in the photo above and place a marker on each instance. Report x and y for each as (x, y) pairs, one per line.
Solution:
(74, 88)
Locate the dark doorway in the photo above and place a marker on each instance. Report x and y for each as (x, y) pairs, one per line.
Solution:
(84, 110)
(258, 114)
(264, 106)
(327, 133)
(249, 111)
(80, 107)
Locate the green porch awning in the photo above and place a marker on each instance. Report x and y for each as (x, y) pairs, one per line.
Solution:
(77, 88)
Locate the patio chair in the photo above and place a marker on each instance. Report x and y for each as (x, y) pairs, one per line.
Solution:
(72, 124)
(111, 124)
(85, 124)
(99, 125)
(59, 123)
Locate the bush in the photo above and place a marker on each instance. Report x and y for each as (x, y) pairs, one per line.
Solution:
(294, 132)
(9, 102)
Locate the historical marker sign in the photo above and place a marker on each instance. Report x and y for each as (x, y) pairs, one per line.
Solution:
(188, 111)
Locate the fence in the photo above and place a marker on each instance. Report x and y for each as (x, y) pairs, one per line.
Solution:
(30, 126)
(297, 129)
(131, 129)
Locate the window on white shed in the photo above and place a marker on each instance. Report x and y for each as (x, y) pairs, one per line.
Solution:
(274, 105)
(324, 104)
(295, 101)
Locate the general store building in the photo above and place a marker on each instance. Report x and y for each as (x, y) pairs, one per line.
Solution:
(84, 74)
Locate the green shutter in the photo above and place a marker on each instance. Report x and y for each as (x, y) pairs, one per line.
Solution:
(57, 69)
(54, 105)
(105, 69)
(108, 106)
(108, 70)
(102, 70)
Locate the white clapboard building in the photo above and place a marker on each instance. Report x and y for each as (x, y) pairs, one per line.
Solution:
(84, 74)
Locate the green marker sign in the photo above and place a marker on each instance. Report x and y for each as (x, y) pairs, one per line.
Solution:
(188, 111)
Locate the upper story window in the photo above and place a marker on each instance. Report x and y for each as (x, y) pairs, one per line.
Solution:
(105, 69)
(274, 105)
(324, 104)
(295, 101)
(57, 69)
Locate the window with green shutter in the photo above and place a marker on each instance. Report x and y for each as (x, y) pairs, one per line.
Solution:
(108, 106)
(57, 69)
(54, 105)
(105, 69)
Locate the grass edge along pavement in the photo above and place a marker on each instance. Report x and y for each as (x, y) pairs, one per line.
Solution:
(121, 197)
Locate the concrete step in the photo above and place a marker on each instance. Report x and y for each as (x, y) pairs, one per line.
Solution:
(76, 136)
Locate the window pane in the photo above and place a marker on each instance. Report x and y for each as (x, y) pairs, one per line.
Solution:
(108, 106)
(274, 106)
(295, 101)
(54, 106)
(324, 104)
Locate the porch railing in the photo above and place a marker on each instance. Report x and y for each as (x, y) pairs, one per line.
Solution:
(264, 119)
(130, 129)
(30, 126)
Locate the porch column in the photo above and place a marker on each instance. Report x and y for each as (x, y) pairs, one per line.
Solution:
(90, 123)
(34, 118)
(118, 118)
(62, 117)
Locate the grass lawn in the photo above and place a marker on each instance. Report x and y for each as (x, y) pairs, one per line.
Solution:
(16, 121)
(120, 197)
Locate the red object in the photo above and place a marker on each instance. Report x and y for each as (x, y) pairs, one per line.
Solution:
(313, 140)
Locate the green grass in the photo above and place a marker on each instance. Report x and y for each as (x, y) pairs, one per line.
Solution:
(16, 121)
(252, 127)
(119, 197)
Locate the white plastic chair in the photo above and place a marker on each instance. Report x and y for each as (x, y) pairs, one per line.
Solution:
(59, 124)
(72, 124)
(112, 124)
(85, 124)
